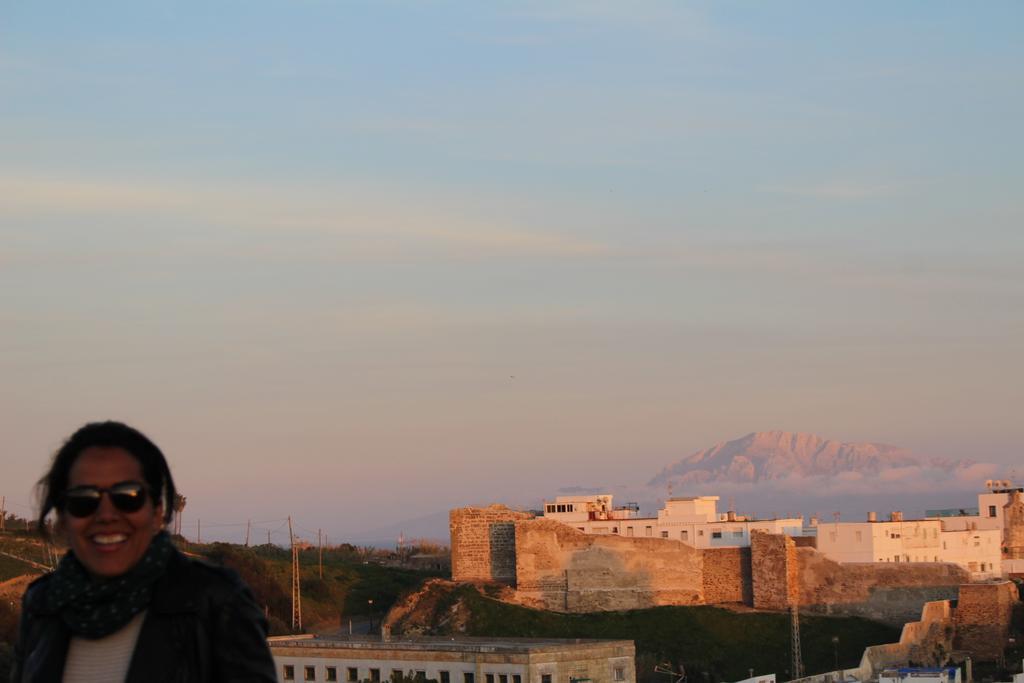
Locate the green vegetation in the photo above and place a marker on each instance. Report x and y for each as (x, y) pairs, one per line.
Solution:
(713, 644)
(20, 544)
(10, 568)
(351, 587)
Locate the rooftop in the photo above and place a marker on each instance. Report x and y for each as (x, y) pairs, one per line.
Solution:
(434, 643)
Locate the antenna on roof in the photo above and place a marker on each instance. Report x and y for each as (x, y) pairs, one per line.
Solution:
(675, 676)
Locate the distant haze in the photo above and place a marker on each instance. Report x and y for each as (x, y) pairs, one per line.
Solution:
(780, 473)
(362, 262)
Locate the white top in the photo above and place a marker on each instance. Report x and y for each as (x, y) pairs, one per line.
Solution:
(105, 659)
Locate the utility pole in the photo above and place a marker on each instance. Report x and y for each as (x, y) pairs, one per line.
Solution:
(320, 543)
(248, 528)
(268, 536)
(296, 592)
(798, 662)
(199, 532)
(3, 513)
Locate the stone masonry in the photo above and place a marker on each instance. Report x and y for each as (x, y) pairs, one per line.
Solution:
(727, 576)
(1013, 529)
(887, 592)
(560, 568)
(983, 615)
(483, 543)
(773, 571)
(554, 566)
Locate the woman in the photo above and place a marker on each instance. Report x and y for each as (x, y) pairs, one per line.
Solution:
(123, 604)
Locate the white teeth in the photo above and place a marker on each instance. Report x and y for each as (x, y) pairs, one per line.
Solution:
(104, 539)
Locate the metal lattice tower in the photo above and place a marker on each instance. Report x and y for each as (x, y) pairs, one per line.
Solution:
(798, 661)
(296, 592)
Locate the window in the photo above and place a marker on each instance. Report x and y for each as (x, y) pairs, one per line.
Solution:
(700, 532)
(421, 675)
(375, 676)
(289, 672)
(615, 529)
(991, 510)
(467, 677)
(716, 534)
(310, 673)
(396, 674)
(331, 673)
(445, 677)
(545, 678)
(516, 678)
(683, 536)
(549, 508)
(489, 678)
(629, 531)
(648, 531)
(664, 534)
(502, 678)
(352, 674)
(737, 534)
(619, 673)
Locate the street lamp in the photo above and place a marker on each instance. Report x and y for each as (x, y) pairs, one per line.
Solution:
(369, 609)
(835, 650)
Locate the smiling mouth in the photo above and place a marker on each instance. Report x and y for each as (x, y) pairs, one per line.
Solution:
(109, 540)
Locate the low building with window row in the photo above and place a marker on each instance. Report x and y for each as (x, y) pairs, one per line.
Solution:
(358, 659)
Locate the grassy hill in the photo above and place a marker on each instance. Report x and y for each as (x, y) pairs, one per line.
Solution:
(714, 644)
(20, 544)
(351, 587)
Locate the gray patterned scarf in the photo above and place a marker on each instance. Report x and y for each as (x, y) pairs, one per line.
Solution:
(94, 608)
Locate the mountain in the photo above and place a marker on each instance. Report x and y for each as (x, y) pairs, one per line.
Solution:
(767, 456)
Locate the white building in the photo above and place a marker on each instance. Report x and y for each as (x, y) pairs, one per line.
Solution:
(453, 660)
(693, 520)
(914, 540)
(989, 514)
(944, 674)
(973, 539)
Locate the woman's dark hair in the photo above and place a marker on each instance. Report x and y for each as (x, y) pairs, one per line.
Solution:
(107, 435)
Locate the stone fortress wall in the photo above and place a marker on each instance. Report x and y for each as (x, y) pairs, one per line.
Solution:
(553, 566)
(983, 615)
(1013, 527)
(483, 543)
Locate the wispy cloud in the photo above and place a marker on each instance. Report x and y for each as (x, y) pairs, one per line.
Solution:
(375, 224)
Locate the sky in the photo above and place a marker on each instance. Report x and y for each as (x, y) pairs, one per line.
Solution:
(359, 262)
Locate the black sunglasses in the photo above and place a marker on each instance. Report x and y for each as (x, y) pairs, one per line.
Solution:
(82, 501)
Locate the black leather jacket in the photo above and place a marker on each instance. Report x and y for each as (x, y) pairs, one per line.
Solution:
(202, 625)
